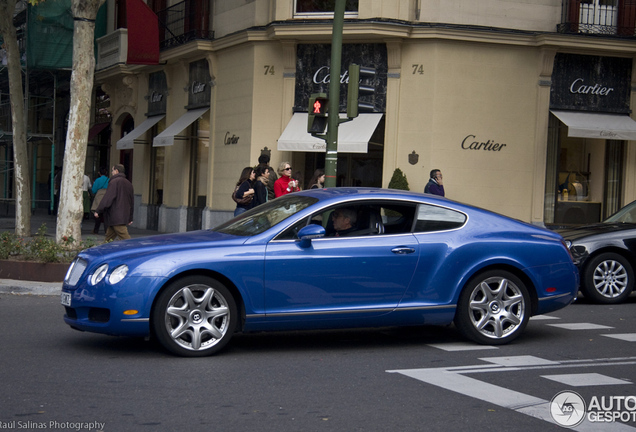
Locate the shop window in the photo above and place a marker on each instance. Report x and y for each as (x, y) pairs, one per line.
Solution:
(199, 151)
(583, 177)
(157, 163)
(323, 8)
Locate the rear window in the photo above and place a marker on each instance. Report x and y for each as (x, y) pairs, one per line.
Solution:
(432, 218)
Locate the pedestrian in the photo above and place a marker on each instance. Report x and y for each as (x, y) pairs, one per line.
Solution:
(435, 184)
(117, 205)
(86, 195)
(261, 195)
(318, 179)
(99, 189)
(244, 192)
(57, 185)
(285, 183)
(263, 161)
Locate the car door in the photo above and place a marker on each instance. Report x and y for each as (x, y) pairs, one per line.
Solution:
(363, 274)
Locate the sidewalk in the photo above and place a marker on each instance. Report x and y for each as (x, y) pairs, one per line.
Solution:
(7, 223)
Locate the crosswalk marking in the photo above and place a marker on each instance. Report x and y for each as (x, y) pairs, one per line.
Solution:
(586, 379)
(455, 379)
(581, 326)
(629, 337)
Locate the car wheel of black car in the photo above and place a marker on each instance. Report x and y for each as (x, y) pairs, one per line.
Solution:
(493, 308)
(194, 317)
(608, 278)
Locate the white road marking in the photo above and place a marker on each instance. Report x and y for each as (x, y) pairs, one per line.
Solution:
(455, 379)
(586, 379)
(629, 337)
(581, 326)
(462, 346)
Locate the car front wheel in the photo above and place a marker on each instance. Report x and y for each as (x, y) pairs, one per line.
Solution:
(493, 308)
(608, 278)
(194, 317)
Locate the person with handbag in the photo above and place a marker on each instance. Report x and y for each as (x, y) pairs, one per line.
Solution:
(244, 192)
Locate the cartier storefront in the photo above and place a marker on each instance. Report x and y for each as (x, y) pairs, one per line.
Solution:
(588, 131)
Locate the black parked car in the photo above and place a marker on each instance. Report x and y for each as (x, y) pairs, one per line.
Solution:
(605, 254)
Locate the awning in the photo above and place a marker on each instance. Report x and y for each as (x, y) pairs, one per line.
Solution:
(353, 136)
(96, 129)
(167, 137)
(128, 141)
(597, 125)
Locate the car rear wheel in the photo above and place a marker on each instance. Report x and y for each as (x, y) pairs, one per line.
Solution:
(194, 317)
(608, 278)
(493, 308)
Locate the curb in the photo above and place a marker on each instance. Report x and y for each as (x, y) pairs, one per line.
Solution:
(10, 286)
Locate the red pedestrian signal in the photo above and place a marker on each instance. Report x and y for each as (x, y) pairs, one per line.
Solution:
(320, 106)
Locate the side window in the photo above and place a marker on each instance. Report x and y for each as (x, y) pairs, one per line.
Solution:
(359, 219)
(432, 218)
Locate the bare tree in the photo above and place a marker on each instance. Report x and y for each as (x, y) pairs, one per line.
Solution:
(71, 210)
(18, 121)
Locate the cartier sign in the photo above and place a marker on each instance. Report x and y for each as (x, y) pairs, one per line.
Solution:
(313, 72)
(198, 89)
(157, 89)
(591, 83)
(472, 143)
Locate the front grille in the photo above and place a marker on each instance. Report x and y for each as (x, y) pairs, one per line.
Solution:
(75, 271)
(99, 314)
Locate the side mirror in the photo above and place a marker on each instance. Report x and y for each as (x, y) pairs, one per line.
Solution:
(306, 234)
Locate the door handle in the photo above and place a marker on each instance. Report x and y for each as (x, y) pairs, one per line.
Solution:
(402, 250)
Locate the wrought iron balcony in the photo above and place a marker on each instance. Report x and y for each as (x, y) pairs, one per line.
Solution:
(605, 17)
(184, 22)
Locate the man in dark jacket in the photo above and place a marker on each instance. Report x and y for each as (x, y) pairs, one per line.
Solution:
(435, 184)
(117, 205)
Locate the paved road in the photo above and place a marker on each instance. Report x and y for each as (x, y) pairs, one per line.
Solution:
(408, 379)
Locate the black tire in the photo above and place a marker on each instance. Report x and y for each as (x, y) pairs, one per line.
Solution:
(608, 278)
(493, 308)
(194, 317)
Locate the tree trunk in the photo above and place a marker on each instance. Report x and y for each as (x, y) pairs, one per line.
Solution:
(71, 210)
(18, 121)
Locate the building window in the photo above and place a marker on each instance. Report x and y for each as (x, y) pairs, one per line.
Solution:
(598, 16)
(323, 8)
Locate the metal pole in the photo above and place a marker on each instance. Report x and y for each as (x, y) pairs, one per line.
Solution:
(331, 159)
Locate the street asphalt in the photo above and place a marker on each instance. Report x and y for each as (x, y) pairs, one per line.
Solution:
(7, 223)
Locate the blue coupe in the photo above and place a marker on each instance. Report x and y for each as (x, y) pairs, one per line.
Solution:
(330, 258)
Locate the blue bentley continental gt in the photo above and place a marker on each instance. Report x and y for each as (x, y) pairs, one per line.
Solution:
(318, 259)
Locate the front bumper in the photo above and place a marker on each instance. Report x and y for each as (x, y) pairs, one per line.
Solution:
(122, 309)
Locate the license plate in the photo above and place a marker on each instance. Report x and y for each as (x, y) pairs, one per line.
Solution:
(66, 299)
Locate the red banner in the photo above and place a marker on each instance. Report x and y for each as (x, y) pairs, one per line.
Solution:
(143, 33)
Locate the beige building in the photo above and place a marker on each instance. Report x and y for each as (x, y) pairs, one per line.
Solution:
(515, 101)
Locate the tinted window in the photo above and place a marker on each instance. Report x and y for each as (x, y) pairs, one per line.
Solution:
(433, 218)
(365, 218)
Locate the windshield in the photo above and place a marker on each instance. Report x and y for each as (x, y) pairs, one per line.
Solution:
(626, 215)
(265, 216)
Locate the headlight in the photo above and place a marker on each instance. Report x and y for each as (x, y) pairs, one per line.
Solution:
(118, 274)
(98, 274)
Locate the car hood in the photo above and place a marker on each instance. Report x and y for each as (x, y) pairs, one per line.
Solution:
(599, 229)
(162, 244)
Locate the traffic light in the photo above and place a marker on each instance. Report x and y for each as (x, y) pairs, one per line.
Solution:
(317, 110)
(356, 90)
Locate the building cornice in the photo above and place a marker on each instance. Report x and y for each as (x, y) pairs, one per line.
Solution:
(381, 31)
